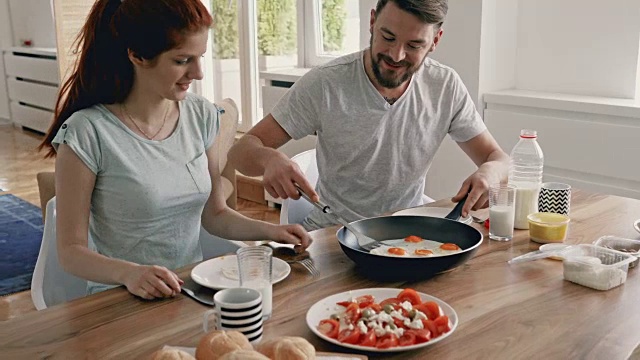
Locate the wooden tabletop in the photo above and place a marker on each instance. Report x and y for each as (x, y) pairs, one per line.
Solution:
(505, 311)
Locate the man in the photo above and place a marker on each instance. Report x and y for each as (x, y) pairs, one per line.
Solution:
(380, 116)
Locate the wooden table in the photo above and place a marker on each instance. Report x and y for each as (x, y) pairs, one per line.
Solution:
(521, 311)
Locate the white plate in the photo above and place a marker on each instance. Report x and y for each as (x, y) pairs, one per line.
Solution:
(327, 306)
(636, 225)
(222, 272)
(430, 211)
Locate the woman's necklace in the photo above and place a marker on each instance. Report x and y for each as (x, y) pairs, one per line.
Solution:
(166, 114)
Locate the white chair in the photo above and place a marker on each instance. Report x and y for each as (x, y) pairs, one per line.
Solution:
(51, 285)
(295, 211)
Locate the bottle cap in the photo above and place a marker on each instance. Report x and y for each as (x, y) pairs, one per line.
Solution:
(528, 134)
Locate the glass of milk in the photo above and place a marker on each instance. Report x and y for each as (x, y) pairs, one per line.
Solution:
(502, 199)
(255, 267)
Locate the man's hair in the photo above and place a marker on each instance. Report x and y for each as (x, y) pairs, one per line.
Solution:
(428, 11)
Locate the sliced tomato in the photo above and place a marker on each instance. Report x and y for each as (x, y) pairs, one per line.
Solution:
(421, 335)
(432, 327)
(413, 239)
(368, 339)
(409, 295)
(345, 303)
(408, 338)
(364, 301)
(349, 336)
(329, 327)
(399, 323)
(449, 246)
(429, 308)
(387, 341)
(390, 301)
(375, 307)
(442, 324)
(397, 251)
(353, 313)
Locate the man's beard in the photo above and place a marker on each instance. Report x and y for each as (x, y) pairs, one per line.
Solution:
(390, 81)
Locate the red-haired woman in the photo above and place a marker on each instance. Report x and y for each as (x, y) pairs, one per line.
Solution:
(135, 169)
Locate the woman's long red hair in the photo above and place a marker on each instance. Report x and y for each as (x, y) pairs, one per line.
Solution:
(103, 73)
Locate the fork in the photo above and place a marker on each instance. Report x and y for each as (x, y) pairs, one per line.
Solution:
(364, 241)
(290, 256)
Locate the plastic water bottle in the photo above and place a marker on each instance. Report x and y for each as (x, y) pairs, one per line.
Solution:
(525, 173)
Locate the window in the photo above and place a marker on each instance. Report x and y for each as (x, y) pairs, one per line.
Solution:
(250, 37)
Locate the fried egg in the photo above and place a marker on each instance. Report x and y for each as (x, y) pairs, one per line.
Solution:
(414, 246)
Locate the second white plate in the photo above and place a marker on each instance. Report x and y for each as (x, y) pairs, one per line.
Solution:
(431, 211)
(222, 272)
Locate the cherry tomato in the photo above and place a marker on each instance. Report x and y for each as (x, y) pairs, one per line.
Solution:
(375, 307)
(368, 339)
(423, 252)
(396, 251)
(364, 301)
(390, 301)
(329, 327)
(349, 336)
(421, 335)
(413, 239)
(486, 223)
(353, 313)
(432, 327)
(449, 246)
(399, 323)
(408, 338)
(387, 341)
(409, 295)
(429, 308)
(345, 303)
(442, 324)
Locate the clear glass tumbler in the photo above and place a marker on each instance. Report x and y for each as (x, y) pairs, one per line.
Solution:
(255, 267)
(502, 200)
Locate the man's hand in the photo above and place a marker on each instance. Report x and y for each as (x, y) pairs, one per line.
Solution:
(280, 176)
(477, 186)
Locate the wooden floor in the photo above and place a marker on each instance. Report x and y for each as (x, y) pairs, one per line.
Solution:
(19, 164)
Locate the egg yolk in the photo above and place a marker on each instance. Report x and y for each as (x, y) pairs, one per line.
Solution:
(423, 252)
(449, 246)
(413, 239)
(396, 251)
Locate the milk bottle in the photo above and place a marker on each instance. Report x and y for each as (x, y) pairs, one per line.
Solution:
(525, 173)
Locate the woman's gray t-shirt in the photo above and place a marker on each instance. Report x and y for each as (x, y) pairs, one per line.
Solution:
(149, 195)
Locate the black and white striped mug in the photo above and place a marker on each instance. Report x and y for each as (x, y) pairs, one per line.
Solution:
(238, 309)
(555, 198)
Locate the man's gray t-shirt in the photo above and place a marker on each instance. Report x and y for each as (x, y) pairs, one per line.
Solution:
(373, 157)
(149, 195)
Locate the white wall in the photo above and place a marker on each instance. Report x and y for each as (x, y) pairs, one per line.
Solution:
(583, 47)
(33, 19)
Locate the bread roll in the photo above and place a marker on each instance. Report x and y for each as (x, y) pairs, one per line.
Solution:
(288, 348)
(244, 355)
(217, 343)
(171, 354)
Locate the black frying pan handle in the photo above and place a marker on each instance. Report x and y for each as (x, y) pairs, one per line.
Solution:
(456, 213)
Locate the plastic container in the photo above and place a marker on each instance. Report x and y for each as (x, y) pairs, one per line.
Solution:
(596, 267)
(631, 247)
(548, 227)
(525, 173)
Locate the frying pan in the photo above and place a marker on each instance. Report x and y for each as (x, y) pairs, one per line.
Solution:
(386, 268)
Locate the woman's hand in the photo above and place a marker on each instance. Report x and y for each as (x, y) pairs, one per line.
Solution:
(150, 282)
(291, 234)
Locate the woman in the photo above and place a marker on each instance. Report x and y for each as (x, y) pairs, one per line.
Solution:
(135, 169)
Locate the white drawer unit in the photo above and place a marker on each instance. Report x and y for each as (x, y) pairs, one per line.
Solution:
(32, 84)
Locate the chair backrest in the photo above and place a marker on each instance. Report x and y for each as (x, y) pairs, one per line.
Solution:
(50, 284)
(295, 211)
(224, 141)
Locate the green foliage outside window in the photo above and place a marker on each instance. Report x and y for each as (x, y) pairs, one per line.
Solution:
(276, 27)
(333, 17)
